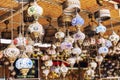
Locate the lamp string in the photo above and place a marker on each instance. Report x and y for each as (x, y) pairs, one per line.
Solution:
(12, 21)
(22, 19)
(111, 25)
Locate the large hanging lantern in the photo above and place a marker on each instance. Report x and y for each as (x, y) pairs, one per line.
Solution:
(24, 64)
(35, 10)
(114, 38)
(36, 29)
(11, 52)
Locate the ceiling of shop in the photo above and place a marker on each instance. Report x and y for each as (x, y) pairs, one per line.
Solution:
(53, 9)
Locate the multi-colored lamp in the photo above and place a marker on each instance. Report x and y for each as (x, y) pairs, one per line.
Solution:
(103, 50)
(20, 40)
(101, 29)
(36, 29)
(78, 21)
(79, 36)
(24, 64)
(11, 52)
(35, 10)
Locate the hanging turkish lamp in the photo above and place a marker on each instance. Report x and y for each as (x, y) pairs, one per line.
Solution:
(79, 36)
(20, 41)
(108, 43)
(63, 70)
(99, 59)
(11, 52)
(101, 41)
(114, 38)
(89, 74)
(77, 21)
(59, 35)
(48, 63)
(52, 52)
(24, 64)
(101, 29)
(71, 61)
(103, 50)
(93, 65)
(76, 50)
(36, 29)
(35, 10)
(46, 72)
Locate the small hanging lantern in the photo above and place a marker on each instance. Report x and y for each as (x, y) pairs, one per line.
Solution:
(80, 36)
(77, 21)
(66, 45)
(93, 65)
(72, 61)
(101, 29)
(20, 40)
(46, 72)
(45, 57)
(99, 59)
(103, 50)
(114, 38)
(108, 43)
(76, 50)
(60, 35)
(48, 63)
(64, 70)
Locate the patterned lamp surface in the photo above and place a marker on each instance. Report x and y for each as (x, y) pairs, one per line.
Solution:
(24, 63)
(79, 36)
(101, 28)
(78, 20)
(103, 50)
(11, 52)
(35, 9)
(114, 37)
